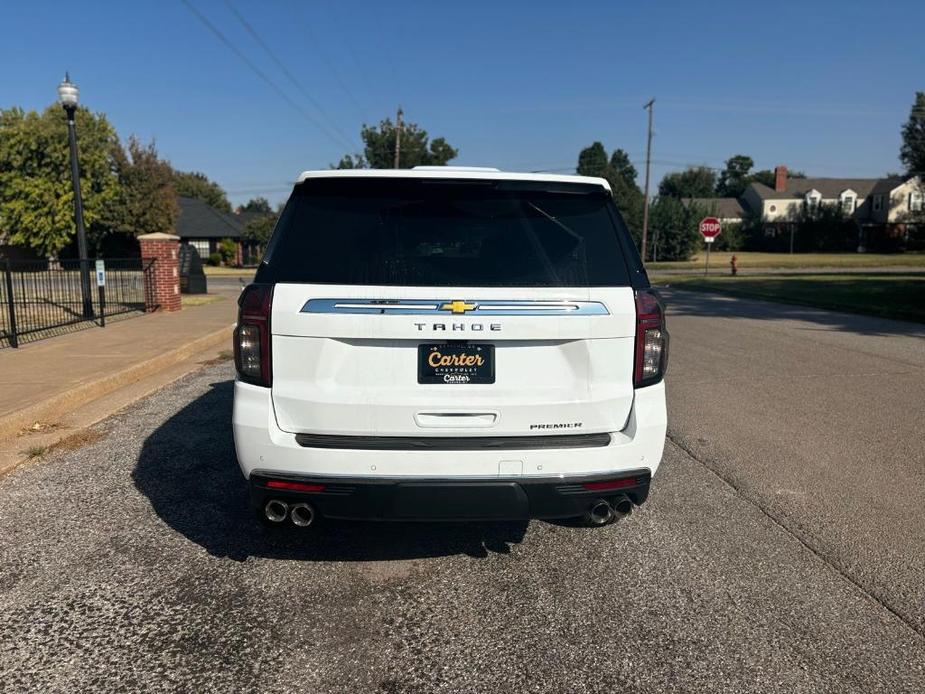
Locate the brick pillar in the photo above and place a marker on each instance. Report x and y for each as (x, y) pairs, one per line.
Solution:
(162, 281)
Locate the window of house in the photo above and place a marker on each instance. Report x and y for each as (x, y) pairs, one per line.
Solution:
(847, 204)
(878, 203)
(201, 245)
(916, 202)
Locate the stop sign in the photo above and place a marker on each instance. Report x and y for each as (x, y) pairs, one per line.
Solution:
(710, 228)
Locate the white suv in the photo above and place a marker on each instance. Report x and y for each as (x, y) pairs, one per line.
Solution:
(449, 343)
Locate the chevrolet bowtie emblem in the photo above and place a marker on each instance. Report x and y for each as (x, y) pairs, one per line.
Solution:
(458, 306)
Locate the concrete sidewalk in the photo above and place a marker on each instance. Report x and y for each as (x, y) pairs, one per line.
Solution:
(46, 379)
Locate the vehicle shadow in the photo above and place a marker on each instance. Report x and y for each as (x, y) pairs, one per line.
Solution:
(187, 469)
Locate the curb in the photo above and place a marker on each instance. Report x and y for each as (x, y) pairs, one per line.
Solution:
(54, 407)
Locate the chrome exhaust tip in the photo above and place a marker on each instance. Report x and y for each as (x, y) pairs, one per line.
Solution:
(623, 506)
(302, 515)
(599, 513)
(276, 510)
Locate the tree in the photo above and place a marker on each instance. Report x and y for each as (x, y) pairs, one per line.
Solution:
(36, 198)
(416, 148)
(147, 201)
(912, 151)
(674, 228)
(354, 161)
(255, 205)
(693, 182)
(262, 220)
(621, 174)
(766, 176)
(259, 228)
(734, 178)
(592, 161)
(227, 249)
(621, 166)
(192, 184)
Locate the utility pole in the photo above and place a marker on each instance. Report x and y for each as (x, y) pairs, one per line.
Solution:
(645, 203)
(398, 138)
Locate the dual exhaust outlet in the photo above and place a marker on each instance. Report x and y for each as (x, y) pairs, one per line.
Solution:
(602, 511)
(301, 514)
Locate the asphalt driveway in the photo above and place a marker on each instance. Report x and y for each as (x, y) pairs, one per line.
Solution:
(779, 551)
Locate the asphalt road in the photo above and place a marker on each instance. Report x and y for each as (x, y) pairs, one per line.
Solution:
(780, 549)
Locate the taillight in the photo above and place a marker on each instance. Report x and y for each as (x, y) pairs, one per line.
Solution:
(651, 340)
(613, 484)
(295, 486)
(252, 335)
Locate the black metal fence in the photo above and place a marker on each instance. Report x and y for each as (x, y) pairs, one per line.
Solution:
(42, 298)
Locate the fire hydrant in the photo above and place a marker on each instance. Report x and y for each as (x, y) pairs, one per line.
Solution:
(732, 265)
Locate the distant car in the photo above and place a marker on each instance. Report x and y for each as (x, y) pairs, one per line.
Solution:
(449, 343)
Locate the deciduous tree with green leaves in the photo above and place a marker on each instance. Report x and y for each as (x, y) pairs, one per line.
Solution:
(258, 205)
(36, 198)
(621, 166)
(693, 182)
(416, 148)
(146, 202)
(912, 151)
(192, 184)
(621, 174)
(734, 178)
(592, 161)
(673, 228)
(260, 225)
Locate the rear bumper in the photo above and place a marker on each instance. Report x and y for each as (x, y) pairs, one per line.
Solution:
(458, 500)
(261, 446)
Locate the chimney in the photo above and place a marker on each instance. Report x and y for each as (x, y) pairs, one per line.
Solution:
(780, 178)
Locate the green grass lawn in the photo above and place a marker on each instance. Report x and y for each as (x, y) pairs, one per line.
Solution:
(230, 271)
(188, 300)
(750, 260)
(888, 296)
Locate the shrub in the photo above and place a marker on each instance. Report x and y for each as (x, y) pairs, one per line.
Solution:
(228, 250)
(215, 259)
(673, 230)
(732, 238)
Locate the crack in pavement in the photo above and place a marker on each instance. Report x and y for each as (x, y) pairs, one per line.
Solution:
(755, 502)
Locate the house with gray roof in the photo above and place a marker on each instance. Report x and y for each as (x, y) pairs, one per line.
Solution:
(878, 206)
(867, 200)
(203, 227)
(726, 210)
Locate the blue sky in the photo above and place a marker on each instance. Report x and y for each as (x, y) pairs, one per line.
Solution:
(823, 87)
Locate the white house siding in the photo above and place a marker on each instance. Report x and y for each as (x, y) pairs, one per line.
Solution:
(784, 210)
(899, 199)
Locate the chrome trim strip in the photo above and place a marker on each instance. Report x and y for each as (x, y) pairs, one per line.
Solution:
(419, 307)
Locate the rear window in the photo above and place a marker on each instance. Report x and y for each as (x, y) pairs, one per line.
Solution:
(446, 232)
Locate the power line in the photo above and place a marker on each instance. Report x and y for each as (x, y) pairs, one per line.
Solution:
(279, 63)
(333, 69)
(261, 74)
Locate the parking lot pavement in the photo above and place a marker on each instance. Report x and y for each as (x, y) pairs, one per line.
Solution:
(133, 564)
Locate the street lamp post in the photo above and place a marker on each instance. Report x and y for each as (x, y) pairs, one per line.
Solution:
(68, 94)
